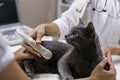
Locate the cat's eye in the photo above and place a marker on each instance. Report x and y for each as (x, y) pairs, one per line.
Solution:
(74, 33)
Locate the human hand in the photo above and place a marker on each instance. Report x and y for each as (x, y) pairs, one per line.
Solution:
(19, 54)
(37, 35)
(100, 73)
(106, 51)
(105, 70)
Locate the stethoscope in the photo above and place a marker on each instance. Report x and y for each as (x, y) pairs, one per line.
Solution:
(101, 10)
(116, 15)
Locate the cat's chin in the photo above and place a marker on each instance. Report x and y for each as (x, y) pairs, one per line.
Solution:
(69, 41)
(73, 43)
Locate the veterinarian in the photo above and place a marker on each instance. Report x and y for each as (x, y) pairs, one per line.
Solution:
(104, 14)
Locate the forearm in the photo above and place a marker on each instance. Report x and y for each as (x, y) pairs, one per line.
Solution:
(115, 50)
(13, 72)
(52, 29)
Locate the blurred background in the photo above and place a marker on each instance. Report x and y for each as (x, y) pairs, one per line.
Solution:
(36, 12)
(33, 13)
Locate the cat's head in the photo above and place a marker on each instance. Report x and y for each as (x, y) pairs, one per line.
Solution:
(81, 36)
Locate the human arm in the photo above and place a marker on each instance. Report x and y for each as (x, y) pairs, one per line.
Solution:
(114, 50)
(48, 29)
(9, 69)
(13, 72)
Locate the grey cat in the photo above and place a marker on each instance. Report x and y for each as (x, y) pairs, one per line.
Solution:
(74, 59)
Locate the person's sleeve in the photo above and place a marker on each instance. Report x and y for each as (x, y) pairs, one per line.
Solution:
(6, 56)
(71, 17)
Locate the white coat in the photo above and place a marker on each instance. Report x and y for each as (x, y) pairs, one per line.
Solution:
(107, 24)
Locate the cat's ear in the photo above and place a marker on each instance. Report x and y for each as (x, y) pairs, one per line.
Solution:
(90, 28)
(81, 23)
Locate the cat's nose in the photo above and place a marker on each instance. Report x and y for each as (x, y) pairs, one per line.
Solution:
(66, 36)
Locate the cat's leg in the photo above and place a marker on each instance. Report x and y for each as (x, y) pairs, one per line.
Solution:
(63, 67)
